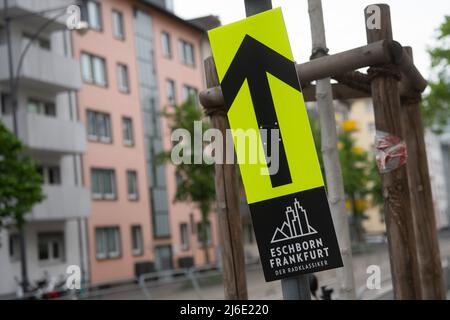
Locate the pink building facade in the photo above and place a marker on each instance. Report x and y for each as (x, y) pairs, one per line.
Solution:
(137, 59)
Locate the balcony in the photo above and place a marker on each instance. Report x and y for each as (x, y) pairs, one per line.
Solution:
(43, 70)
(42, 134)
(53, 134)
(27, 7)
(62, 203)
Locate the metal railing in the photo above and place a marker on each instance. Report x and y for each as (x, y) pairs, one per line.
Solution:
(191, 275)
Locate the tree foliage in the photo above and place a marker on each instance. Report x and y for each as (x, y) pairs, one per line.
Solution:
(356, 167)
(436, 105)
(195, 182)
(20, 182)
(362, 183)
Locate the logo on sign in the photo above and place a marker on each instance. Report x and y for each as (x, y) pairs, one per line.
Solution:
(296, 224)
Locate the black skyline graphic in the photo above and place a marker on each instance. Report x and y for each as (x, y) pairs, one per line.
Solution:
(296, 224)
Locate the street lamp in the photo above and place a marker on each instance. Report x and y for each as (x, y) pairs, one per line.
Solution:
(82, 28)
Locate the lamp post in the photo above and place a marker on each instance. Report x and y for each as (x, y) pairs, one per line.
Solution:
(14, 78)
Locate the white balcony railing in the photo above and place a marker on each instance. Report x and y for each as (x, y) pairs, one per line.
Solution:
(28, 7)
(44, 70)
(48, 134)
(61, 203)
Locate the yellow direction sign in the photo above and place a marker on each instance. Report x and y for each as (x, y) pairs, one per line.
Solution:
(285, 191)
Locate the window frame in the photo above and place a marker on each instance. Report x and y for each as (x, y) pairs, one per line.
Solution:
(96, 136)
(208, 233)
(92, 70)
(45, 170)
(121, 26)
(99, 173)
(120, 67)
(108, 254)
(51, 238)
(140, 250)
(183, 44)
(166, 35)
(14, 247)
(42, 107)
(185, 246)
(132, 196)
(171, 83)
(127, 142)
(99, 15)
(191, 91)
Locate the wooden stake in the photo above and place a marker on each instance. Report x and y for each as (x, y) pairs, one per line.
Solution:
(227, 193)
(397, 205)
(333, 171)
(429, 257)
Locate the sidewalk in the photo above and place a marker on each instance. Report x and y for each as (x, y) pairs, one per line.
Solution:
(212, 288)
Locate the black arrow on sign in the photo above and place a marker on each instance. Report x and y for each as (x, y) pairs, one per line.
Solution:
(253, 61)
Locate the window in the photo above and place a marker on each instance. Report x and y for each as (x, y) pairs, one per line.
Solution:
(184, 236)
(41, 107)
(170, 87)
(118, 26)
(2, 35)
(99, 126)
(161, 225)
(132, 185)
(51, 247)
(187, 53)
(103, 184)
(165, 43)
(94, 15)
(5, 100)
(50, 174)
(128, 136)
(38, 42)
(107, 243)
(163, 257)
(178, 179)
(200, 227)
(122, 78)
(190, 93)
(14, 247)
(136, 240)
(93, 69)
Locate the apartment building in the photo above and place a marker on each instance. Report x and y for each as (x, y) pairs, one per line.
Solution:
(48, 124)
(137, 59)
(362, 112)
(436, 169)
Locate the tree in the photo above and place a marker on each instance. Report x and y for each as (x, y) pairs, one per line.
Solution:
(365, 180)
(436, 105)
(20, 182)
(356, 170)
(195, 182)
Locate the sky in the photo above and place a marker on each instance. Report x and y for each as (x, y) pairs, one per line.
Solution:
(414, 23)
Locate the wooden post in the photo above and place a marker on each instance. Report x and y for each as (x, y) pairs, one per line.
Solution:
(429, 258)
(330, 153)
(397, 205)
(227, 194)
(293, 288)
